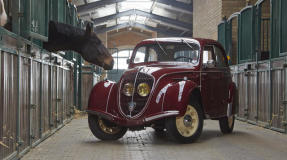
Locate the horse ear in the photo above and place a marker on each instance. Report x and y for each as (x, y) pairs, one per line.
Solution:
(88, 30)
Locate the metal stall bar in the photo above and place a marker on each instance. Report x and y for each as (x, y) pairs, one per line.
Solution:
(79, 63)
(41, 98)
(32, 106)
(50, 98)
(57, 95)
(284, 122)
(18, 135)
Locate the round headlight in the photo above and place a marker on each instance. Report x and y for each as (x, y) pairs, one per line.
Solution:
(143, 89)
(128, 89)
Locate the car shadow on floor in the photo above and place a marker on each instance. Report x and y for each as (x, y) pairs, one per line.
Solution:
(161, 138)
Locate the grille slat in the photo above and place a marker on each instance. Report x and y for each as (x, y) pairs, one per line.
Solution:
(140, 101)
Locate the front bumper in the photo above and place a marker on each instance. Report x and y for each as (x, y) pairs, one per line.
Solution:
(133, 122)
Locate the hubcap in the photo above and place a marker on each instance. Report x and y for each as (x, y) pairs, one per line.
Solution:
(188, 124)
(108, 129)
(230, 121)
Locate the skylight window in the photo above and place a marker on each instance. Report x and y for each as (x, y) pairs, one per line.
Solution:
(144, 5)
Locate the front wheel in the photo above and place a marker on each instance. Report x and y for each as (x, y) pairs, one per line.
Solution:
(187, 128)
(104, 129)
(227, 124)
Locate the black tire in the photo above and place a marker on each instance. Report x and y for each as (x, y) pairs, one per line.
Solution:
(174, 133)
(95, 126)
(226, 127)
(159, 130)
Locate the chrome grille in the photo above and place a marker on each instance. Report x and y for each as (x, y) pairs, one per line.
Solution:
(139, 101)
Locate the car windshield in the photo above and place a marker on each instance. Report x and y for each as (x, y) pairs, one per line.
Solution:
(163, 51)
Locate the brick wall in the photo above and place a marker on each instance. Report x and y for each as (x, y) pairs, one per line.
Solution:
(208, 14)
(126, 38)
(206, 17)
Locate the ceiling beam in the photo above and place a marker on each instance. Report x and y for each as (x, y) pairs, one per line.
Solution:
(141, 26)
(172, 22)
(98, 4)
(176, 4)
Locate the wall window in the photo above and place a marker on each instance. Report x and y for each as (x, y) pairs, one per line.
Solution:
(120, 58)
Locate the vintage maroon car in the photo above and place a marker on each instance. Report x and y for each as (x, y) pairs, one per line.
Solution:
(172, 84)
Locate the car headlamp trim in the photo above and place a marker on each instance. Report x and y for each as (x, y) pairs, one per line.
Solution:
(128, 89)
(143, 89)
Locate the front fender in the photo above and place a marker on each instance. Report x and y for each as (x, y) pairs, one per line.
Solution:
(101, 95)
(178, 95)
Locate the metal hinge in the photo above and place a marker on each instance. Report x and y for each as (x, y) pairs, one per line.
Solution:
(32, 136)
(20, 14)
(58, 99)
(33, 106)
(284, 102)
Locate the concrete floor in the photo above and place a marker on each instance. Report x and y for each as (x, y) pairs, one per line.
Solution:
(76, 142)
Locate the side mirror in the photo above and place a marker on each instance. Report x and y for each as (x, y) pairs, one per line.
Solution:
(128, 61)
(210, 64)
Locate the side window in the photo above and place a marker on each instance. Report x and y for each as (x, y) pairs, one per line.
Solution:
(220, 60)
(208, 55)
(140, 55)
(152, 56)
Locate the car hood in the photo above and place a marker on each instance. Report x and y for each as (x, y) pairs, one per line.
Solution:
(158, 69)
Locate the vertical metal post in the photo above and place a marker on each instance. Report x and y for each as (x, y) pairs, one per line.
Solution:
(285, 98)
(79, 61)
(257, 52)
(18, 103)
(41, 97)
(31, 99)
(50, 97)
(75, 83)
(63, 99)
(57, 95)
(270, 93)
(246, 113)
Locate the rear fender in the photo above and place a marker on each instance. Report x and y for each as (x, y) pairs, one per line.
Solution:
(177, 96)
(102, 95)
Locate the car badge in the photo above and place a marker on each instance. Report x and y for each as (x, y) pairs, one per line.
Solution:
(132, 106)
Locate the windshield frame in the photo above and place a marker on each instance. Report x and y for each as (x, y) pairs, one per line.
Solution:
(131, 64)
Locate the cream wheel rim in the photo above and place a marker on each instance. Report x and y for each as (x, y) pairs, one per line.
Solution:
(188, 124)
(107, 129)
(230, 121)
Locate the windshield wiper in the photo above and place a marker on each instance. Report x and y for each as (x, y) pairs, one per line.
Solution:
(160, 47)
(189, 47)
(187, 44)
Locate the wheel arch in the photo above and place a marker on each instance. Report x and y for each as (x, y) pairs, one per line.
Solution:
(195, 95)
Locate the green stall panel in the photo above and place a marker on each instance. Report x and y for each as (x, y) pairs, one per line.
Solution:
(262, 30)
(58, 10)
(38, 16)
(275, 28)
(225, 36)
(246, 35)
(283, 44)
(221, 34)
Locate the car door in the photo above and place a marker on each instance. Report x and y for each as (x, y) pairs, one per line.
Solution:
(214, 87)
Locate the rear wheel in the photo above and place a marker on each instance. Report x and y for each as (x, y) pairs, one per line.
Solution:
(187, 128)
(104, 129)
(227, 124)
